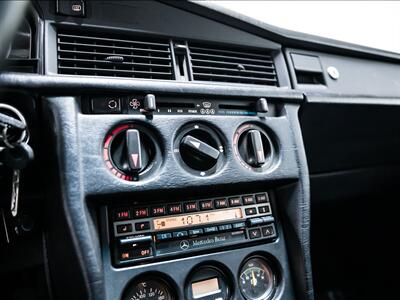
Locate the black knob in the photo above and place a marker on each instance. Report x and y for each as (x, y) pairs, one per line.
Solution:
(255, 148)
(262, 105)
(132, 151)
(149, 104)
(199, 150)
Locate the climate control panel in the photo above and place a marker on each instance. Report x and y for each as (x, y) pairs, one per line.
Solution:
(168, 229)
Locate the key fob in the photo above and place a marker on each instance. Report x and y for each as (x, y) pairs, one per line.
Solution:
(17, 157)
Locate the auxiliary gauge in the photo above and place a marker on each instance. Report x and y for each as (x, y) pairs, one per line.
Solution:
(257, 280)
(148, 288)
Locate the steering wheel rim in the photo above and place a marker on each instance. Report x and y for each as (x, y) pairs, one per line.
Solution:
(11, 15)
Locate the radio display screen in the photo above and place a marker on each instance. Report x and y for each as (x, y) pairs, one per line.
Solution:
(197, 219)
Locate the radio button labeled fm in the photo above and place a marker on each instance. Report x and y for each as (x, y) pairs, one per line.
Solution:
(248, 199)
(158, 211)
(206, 204)
(141, 212)
(190, 207)
(220, 203)
(174, 209)
(235, 201)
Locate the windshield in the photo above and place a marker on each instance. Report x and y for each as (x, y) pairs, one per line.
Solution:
(369, 23)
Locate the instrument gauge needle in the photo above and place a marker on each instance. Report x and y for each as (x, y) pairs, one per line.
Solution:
(253, 279)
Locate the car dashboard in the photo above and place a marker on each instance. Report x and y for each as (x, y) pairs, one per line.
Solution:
(183, 151)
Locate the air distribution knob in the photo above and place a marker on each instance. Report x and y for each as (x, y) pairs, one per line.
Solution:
(254, 147)
(130, 151)
(200, 149)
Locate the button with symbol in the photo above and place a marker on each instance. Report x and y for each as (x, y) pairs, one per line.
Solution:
(268, 231)
(140, 226)
(178, 234)
(254, 233)
(106, 105)
(134, 105)
(124, 228)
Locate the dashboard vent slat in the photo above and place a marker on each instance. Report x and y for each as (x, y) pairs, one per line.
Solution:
(116, 55)
(223, 64)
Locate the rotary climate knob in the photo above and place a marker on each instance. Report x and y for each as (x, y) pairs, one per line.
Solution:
(200, 149)
(253, 147)
(130, 151)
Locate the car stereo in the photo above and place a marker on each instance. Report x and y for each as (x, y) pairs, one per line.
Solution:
(164, 230)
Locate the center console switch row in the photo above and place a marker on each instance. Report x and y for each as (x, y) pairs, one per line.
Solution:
(148, 104)
(162, 230)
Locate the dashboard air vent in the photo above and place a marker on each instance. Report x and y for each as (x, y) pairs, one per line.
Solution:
(226, 64)
(107, 54)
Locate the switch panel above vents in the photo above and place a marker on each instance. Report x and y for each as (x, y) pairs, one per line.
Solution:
(106, 54)
(226, 64)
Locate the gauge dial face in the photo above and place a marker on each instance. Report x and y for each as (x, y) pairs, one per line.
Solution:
(148, 290)
(257, 281)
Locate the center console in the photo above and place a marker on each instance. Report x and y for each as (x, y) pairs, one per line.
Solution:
(188, 205)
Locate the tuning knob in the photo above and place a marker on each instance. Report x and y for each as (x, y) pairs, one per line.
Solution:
(254, 147)
(200, 149)
(131, 151)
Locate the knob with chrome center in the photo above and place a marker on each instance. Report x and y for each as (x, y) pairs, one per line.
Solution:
(254, 147)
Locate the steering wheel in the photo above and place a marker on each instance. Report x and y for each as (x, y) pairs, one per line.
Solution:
(11, 15)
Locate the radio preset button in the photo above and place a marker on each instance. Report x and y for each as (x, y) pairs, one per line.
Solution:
(254, 233)
(250, 211)
(164, 236)
(206, 204)
(140, 226)
(124, 228)
(268, 231)
(190, 206)
(221, 203)
(262, 198)
(264, 209)
(174, 208)
(158, 211)
(235, 201)
(197, 231)
(178, 234)
(210, 229)
(141, 212)
(248, 199)
(225, 227)
(122, 214)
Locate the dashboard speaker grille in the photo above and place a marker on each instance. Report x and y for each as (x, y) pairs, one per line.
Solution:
(107, 54)
(226, 64)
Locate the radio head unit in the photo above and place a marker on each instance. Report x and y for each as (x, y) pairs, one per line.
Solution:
(164, 230)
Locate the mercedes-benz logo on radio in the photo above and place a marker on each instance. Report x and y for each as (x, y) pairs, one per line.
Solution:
(184, 245)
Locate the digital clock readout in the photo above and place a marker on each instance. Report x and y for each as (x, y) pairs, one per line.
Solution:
(197, 219)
